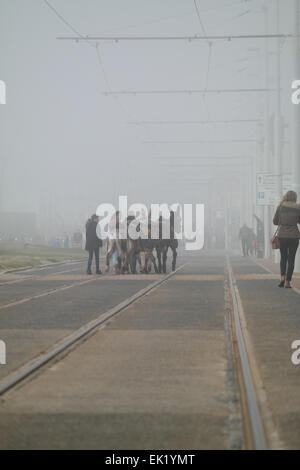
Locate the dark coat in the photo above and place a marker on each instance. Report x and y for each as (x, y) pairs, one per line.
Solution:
(92, 240)
(287, 216)
(245, 233)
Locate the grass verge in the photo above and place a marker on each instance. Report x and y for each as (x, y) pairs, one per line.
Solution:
(17, 256)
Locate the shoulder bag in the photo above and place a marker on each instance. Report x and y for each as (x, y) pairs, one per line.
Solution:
(275, 241)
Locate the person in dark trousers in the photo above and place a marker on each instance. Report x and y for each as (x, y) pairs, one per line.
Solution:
(251, 241)
(93, 243)
(287, 217)
(245, 237)
(260, 239)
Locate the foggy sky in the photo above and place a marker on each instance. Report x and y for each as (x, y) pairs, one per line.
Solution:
(66, 148)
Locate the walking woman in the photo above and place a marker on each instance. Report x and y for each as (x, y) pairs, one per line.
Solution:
(287, 217)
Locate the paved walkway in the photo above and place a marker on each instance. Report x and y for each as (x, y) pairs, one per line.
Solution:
(159, 374)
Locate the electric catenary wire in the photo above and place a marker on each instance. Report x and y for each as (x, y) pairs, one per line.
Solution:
(208, 58)
(95, 46)
(67, 23)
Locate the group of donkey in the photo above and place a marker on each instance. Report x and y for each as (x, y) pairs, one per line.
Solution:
(141, 251)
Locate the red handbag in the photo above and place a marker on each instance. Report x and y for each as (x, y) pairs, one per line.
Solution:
(275, 241)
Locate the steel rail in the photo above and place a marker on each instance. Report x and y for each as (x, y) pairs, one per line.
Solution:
(40, 267)
(257, 428)
(35, 277)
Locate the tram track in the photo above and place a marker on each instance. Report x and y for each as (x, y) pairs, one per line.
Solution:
(26, 299)
(258, 426)
(33, 366)
(41, 267)
(34, 277)
(44, 294)
(257, 431)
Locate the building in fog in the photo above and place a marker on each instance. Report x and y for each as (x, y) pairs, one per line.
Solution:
(17, 226)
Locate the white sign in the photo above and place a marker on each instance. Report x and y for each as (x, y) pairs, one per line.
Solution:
(267, 189)
(2, 353)
(2, 92)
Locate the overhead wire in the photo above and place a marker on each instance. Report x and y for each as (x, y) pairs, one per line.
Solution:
(98, 54)
(69, 25)
(99, 60)
(166, 18)
(199, 18)
(208, 58)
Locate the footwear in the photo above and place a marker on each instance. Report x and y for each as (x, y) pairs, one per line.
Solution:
(98, 271)
(288, 285)
(281, 284)
(89, 271)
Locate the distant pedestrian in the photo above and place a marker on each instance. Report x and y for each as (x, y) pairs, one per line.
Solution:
(287, 217)
(67, 242)
(93, 243)
(260, 238)
(245, 236)
(252, 241)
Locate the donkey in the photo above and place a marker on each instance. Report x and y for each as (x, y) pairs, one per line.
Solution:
(146, 256)
(139, 250)
(163, 245)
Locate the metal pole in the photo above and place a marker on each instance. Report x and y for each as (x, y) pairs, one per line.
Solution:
(266, 156)
(296, 114)
(278, 124)
(259, 162)
(1, 184)
(246, 191)
(226, 208)
(250, 189)
(278, 118)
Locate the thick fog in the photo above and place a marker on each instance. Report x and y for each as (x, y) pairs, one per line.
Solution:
(66, 147)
